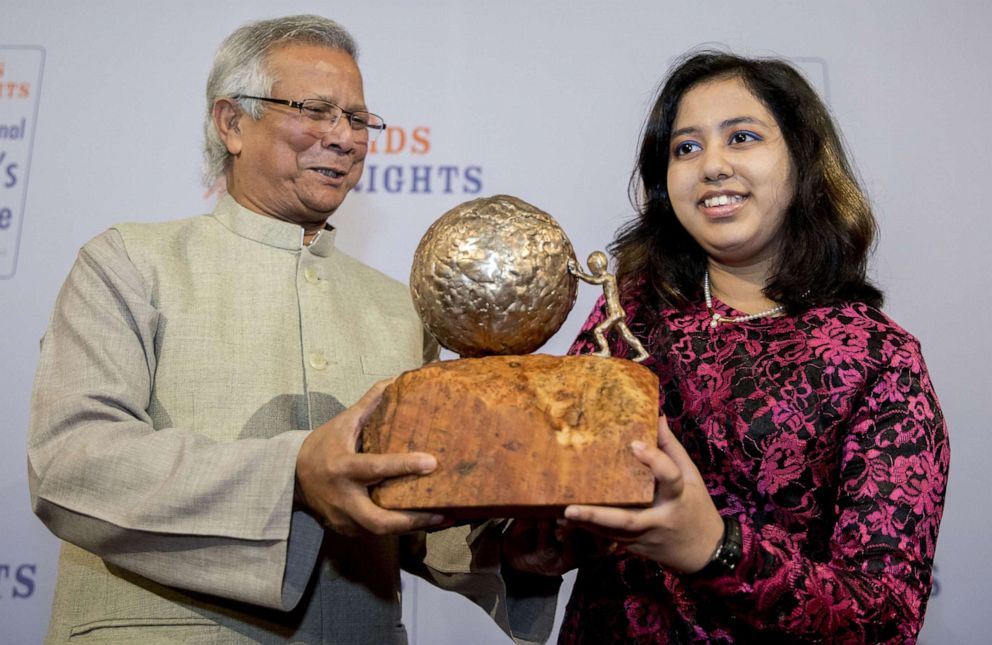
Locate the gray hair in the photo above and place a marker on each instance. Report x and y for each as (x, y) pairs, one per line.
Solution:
(240, 68)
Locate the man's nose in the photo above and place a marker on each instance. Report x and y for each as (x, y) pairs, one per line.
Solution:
(341, 135)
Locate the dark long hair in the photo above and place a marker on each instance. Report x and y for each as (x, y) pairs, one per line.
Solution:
(828, 231)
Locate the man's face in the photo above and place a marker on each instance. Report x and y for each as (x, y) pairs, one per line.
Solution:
(279, 166)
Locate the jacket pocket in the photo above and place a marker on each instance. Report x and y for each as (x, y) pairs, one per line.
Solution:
(198, 631)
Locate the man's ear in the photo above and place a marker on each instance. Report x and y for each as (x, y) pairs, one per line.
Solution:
(227, 118)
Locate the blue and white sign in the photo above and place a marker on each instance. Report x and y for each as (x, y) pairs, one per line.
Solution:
(20, 88)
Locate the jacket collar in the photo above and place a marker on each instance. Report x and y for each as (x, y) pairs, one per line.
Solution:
(269, 230)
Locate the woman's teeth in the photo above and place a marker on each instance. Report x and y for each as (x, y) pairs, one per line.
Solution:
(722, 200)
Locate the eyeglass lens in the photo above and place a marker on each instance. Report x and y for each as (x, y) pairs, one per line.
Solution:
(323, 116)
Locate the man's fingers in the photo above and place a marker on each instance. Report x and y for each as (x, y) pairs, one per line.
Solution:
(379, 521)
(369, 469)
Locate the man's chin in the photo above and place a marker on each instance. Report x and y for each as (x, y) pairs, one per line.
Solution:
(322, 208)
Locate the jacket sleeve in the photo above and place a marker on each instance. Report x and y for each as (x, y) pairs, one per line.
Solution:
(169, 504)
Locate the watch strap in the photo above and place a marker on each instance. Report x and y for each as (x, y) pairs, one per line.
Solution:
(730, 550)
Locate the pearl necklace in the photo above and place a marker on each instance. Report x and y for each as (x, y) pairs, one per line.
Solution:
(720, 318)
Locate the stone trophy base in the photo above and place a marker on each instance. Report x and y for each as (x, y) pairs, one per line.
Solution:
(518, 435)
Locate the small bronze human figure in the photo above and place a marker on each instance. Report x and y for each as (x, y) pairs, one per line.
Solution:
(614, 312)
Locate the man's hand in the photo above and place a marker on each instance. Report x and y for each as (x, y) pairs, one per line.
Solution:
(547, 548)
(333, 479)
(535, 547)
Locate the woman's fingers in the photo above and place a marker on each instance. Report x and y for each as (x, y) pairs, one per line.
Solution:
(672, 447)
(620, 524)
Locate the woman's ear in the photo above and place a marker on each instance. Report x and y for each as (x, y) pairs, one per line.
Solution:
(227, 116)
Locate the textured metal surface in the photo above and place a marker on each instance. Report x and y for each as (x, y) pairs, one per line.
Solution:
(491, 276)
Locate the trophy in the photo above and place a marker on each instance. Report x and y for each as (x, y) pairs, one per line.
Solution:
(515, 433)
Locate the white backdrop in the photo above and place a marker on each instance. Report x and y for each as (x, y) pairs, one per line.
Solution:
(544, 100)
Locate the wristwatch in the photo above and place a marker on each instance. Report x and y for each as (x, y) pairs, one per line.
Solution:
(728, 553)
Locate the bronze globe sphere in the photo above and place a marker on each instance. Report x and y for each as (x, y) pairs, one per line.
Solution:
(491, 276)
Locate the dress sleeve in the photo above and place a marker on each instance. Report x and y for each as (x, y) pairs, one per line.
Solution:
(872, 582)
(169, 504)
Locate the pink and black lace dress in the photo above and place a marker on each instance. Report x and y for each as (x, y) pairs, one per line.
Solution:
(822, 434)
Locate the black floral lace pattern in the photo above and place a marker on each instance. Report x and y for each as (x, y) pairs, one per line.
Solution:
(823, 435)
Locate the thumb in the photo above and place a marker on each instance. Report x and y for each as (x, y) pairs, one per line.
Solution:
(360, 412)
(675, 451)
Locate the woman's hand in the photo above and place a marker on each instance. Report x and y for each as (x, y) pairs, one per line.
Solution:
(681, 530)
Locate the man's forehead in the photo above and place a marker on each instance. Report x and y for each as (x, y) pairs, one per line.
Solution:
(323, 72)
(290, 53)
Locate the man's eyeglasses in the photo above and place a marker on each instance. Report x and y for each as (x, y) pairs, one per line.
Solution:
(321, 116)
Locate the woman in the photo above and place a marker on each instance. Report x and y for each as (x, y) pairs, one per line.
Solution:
(802, 469)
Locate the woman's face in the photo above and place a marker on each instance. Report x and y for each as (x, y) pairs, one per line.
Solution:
(730, 176)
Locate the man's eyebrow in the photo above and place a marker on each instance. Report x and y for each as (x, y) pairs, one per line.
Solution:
(355, 108)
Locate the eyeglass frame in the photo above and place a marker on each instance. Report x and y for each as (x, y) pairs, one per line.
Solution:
(349, 113)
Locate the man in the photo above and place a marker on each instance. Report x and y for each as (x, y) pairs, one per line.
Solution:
(186, 363)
